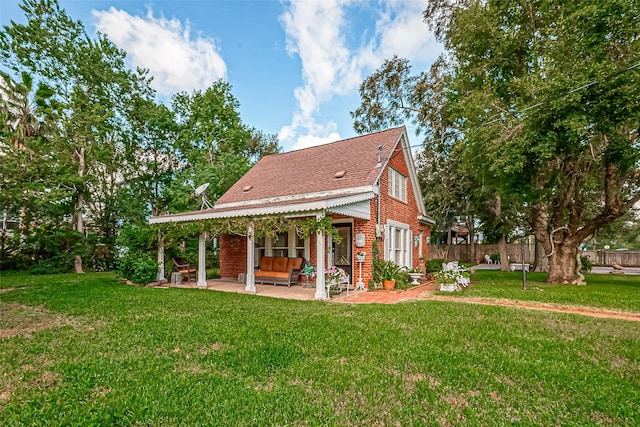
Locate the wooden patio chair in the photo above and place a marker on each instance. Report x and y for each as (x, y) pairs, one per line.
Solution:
(185, 268)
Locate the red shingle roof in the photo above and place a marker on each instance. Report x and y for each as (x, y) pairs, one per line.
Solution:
(314, 169)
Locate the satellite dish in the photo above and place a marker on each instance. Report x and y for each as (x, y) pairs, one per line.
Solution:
(200, 192)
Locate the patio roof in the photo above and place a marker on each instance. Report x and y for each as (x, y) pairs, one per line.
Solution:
(355, 205)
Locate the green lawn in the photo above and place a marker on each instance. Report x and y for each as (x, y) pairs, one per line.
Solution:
(613, 291)
(90, 351)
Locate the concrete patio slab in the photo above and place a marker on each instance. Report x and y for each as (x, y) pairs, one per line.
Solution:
(229, 285)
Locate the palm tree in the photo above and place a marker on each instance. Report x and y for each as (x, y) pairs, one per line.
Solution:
(23, 113)
(23, 110)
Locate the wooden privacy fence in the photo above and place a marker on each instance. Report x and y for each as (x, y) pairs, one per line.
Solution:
(461, 253)
(624, 258)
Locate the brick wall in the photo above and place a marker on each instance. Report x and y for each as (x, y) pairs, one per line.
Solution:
(392, 208)
(368, 228)
(233, 256)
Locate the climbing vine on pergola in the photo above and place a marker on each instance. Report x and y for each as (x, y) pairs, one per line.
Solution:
(263, 226)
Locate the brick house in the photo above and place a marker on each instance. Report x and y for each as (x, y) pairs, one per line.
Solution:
(367, 185)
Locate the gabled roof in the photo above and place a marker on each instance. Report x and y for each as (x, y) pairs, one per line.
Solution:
(340, 177)
(313, 170)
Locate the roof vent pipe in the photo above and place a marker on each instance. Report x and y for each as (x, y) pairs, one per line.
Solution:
(379, 156)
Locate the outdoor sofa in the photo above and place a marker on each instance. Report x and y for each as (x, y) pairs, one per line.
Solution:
(279, 270)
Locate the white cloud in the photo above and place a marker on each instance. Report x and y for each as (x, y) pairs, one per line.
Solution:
(316, 32)
(317, 134)
(177, 59)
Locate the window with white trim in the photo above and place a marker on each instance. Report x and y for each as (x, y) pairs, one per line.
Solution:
(283, 244)
(398, 243)
(280, 245)
(397, 185)
(300, 246)
(260, 250)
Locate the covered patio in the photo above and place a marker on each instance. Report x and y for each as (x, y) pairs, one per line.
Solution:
(243, 245)
(301, 293)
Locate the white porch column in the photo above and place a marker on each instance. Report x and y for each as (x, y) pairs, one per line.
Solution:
(321, 292)
(202, 268)
(250, 277)
(160, 277)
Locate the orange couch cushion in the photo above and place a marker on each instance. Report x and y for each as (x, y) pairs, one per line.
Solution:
(266, 263)
(280, 264)
(294, 264)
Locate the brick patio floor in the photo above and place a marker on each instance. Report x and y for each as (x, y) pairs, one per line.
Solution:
(386, 297)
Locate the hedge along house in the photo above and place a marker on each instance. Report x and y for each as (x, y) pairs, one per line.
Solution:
(366, 185)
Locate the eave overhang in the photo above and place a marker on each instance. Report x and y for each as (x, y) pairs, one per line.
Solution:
(349, 204)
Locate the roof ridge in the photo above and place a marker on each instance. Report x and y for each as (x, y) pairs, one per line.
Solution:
(335, 142)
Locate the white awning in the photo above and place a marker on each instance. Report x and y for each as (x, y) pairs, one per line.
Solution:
(357, 205)
(361, 210)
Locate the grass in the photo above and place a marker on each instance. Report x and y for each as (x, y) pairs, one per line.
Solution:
(90, 351)
(611, 291)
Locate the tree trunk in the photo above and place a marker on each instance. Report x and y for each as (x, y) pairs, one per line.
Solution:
(77, 263)
(79, 226)
(541, 262)
(505, 264)
(562, 265)
(472, 238)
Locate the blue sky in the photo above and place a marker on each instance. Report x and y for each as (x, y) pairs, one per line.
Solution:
(294, 65)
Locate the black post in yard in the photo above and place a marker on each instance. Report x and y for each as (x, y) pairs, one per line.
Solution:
(524, 271)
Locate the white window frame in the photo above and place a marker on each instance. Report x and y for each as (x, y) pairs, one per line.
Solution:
(397, 185)
(257, 256)
(272, 241)
(291, 245)
(398, 250)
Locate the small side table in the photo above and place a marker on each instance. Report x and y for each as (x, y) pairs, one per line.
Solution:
(306, 281)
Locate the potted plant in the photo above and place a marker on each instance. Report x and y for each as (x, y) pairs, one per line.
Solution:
(360, 256)
(452, 277)
(389, 271)
(415, 274)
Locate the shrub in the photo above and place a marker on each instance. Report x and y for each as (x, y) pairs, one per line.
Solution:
(55, 265)
(138, 267)
(495, 257)
(587, 265)
(377, 264)
(435, 265)
(403, 282)
(53, 249)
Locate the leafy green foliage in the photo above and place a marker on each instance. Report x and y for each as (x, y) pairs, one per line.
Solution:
(376, 264)
(213, 144)
(587, 265)
(532, 109)
(134, 262)
(621, 233)
(83, 138)
(389, 270)
(138, 267)
(435, 265)
(53, 249)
